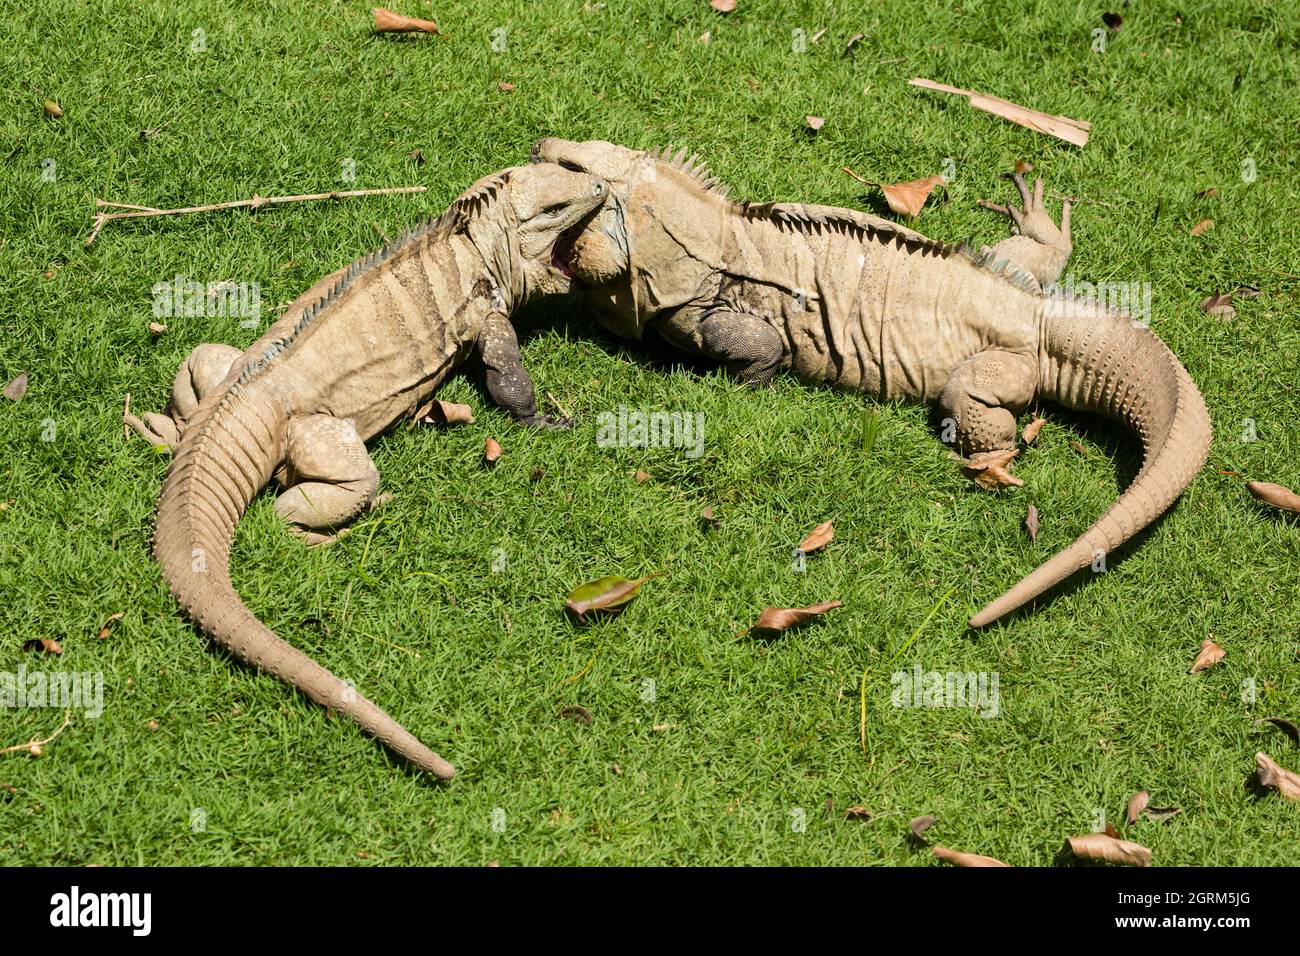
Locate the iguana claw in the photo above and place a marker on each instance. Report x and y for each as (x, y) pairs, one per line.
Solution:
(1033, 219)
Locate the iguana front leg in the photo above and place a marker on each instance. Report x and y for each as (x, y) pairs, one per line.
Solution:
(749, 348)
(203, 370)
(508, 383)
(984, 395)
(1041, 249)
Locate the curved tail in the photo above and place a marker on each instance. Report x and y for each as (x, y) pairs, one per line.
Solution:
(1094, 360)
(229, 453)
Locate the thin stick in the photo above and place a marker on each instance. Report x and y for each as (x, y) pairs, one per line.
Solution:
(67, 719)
(126, 410)
(556, 402)
(256, 202)
(103, 203)
(865, 182)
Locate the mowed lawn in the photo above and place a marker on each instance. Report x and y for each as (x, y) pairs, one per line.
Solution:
(705, 746)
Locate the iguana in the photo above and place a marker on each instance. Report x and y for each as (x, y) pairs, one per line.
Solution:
(361, 350)
(851, 300)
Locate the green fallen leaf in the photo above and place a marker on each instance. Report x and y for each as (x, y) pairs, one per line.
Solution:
(605, 593)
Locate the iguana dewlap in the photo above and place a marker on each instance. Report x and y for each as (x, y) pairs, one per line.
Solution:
(359, 351)
(850, 300)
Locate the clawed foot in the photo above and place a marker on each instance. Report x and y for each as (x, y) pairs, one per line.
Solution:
(548, 422)
(158, 430)
(320, 538)
(1033, 220)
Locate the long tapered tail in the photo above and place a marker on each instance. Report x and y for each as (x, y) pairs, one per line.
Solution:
(1098, 362)
(227, 456)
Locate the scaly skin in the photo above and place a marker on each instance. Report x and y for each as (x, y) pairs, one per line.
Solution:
(360, 351)
(850, 300)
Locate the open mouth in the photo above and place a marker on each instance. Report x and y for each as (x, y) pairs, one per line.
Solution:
(562, 252)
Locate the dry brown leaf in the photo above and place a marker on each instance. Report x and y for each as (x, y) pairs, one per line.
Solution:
(1275, 495)
(386, 21)
(416, 156)
(1162, 814)
(853, 41)
(1114, 22)
(1136, 804)
(537, 474)
(1247, 291)
(641, 477)
(16, 389)
(774, 620)
(958, 858)
(1023, 166)
(505, 87)
(704, 37)
(449, 413)
(815, 122)
(1284, 725)
(1030, 434)
(1000, 458)
(1210, 655)
(45, 644)
(1273, 777)
(52, 109)
(152, 725)
(108, 624)
(918, 826)
(723, 6)
(856, 813)
(1207, 193)
(709, 518)
(1219, 304)
(605, 593)
(991, 473)
(818, 538)
(157, 328)
(1062, 127)
(1202, 227)
(1031, 522)
(906, 199)
(1077, 446)
(1102, 846)
(581, 714)
(491, 451)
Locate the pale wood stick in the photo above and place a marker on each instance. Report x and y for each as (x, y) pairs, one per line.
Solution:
(255, 203)
(67, 719)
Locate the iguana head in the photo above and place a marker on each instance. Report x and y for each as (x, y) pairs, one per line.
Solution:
(657, 240)
(550, 202)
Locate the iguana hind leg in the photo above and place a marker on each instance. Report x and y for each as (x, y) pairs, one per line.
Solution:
(983, 397)
(203, 370)
(328, 476)
(1041, 249)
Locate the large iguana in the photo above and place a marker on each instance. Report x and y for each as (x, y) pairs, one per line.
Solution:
(848, 299)
(362, 349)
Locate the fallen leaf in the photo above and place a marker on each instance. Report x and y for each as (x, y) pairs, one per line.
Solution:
(704, 37)
(1136, 804)
(52, 109)
(708, 517)
(1030, 434)
(817, 538)
(1202, 227)
(16, 389)
(818, 35)
(1000, 458)
(815, 122)
(1162, 814)
(1247, 291)
(581, 714)
(1210, 655)
(1031, 522)
(449, 413)
(723, 6)
(157, 328)
(1079, 448)
(1062, 127)
(108, 624)
(1284, 725)
(1219, 304)
(853, 41)
(774, 620)
(505, 87)
(906, 199)
(1275, 495)
(1102, 846)
(856, 813)
(918, 826)
(153, 725)
(605, 593)
(416, 156)
(1023, 166)
(1114, 22)
(8, 788)
(386, 21)
(660, 728)
(1110, 830)
(1207, 193)
(958, 858)
(537, 474)
(641, 477)
(990, 471)
(491, 451)
(43, 644)
(1273, 777)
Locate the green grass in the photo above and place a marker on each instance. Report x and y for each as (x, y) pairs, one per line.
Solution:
(1096, 699)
